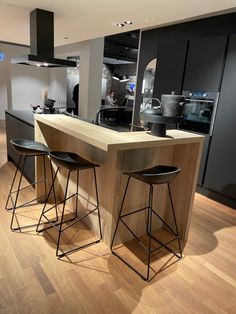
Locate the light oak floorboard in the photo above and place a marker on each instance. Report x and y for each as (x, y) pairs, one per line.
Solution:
(33, 280)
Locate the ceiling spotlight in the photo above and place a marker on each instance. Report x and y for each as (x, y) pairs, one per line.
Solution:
(120, 25)
(45, 64)
(115, 77)
(38, 65)
(128, 22)
(124, 78)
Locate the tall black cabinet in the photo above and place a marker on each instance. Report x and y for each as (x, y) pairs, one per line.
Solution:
(204, 64)
(170, 68)
(221, 168)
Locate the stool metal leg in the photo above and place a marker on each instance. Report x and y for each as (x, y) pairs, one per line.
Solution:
(53, 189)
(59, 225)
(79, 219)
(98, 208)
(118, 220)
(44, 210)
(62, 215)
(19, 188)
(13, 182)
(148, 249)
(17, 195)
(176, 226)
(150, 201)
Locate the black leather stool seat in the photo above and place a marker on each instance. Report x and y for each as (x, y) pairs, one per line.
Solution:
(155, 175)
(29, 147)
(71, 160)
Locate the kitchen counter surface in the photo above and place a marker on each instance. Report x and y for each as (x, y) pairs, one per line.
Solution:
(107, 139)
(26, 116)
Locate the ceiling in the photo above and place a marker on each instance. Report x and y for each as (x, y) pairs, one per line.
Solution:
(122, 46)
(78, 20)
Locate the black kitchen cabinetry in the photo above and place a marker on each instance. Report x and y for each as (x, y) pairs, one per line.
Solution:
(204, 63)
(170, 68)
(221, 167)
(20, 124)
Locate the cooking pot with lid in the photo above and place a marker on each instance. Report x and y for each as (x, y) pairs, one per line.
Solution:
(172, 104)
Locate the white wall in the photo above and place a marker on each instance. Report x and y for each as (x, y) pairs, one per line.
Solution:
(90, 73)
(22, 85)
(28, 83)
(57, 84)
(3, 88)
(5, 75)
(91, 63)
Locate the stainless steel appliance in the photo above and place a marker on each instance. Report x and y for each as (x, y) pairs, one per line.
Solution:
(199, 112)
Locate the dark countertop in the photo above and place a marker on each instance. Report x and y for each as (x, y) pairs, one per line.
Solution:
(26, 116)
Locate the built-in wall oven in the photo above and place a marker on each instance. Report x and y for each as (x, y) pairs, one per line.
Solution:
(198, 113)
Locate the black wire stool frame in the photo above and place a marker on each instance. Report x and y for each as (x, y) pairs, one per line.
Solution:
(59, 225)
(148, 248)
(23, 158)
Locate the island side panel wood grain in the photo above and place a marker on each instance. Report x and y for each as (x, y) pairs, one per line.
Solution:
(111, 182)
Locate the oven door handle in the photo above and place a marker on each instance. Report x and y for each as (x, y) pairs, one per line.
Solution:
(199, 100)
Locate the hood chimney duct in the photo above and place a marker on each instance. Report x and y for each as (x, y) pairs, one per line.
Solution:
(42, 42)
(42, 33)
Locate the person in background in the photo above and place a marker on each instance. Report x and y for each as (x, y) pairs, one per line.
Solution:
(110, 101)
(75, 98)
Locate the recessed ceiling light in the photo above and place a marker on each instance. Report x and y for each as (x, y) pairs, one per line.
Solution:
(120, 25)
(66, 37)
(38, 65)
(128, 22)
(45, 64)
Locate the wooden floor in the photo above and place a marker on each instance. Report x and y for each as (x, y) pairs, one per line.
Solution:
(33, 280)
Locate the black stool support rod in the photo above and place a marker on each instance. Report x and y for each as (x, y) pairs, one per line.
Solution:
(139, 241)
(121, 207)
(47, 198)
(149, 227)
(13, 181)
(63, 209)
(17, 194)
(176, 226)
(98, 207)
(79, 219)
(133, 212)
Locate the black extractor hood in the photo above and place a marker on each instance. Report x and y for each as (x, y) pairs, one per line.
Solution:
(42, 42)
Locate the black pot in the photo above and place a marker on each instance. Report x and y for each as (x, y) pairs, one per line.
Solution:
(49, 103)
(149, 111)
(172, 105)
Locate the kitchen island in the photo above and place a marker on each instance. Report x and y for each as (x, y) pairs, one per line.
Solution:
(125, 151)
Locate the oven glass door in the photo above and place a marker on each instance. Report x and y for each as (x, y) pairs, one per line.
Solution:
(199, 112)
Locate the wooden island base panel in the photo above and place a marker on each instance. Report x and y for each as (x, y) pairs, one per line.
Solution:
(126, 151)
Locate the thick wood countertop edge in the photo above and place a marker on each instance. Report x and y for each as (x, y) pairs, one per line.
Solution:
(107, 139)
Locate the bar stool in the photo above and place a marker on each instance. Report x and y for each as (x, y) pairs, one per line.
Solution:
(153, 176)
(71, 162)
(26, 148)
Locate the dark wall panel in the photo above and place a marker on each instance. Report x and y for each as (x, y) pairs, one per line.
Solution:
(151, 39)
(221, 168)
(204, 63)
(170, 68)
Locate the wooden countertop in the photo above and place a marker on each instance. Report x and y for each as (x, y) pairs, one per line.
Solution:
(107, 139)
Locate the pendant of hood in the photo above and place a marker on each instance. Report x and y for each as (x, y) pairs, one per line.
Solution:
(42, 43)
